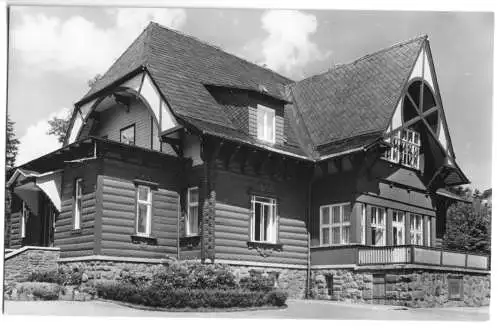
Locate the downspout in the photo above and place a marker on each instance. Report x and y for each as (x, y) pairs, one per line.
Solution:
(178, 226)
(309, 214)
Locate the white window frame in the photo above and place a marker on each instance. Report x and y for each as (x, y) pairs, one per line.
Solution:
(189, 205)
(398, 223)
(405, 148)
(272, 225)
(345, 226)
(148, 203)
(378, 224)
(25, 213)
(263, 133)
(78, 196)
(415, 229)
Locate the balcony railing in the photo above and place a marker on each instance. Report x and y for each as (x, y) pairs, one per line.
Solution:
(362, 255)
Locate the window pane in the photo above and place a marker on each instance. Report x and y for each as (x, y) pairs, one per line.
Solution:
(142, 215)
(379, 238)
(127, 135)
(143, 193)
(193, 195)
(336, 214)
(260, 124)
(193, 220)
(336, 235)
(257, 221)
(266, 209)
(346, 234)
(374, 216)
(347, 213)
(325, 235)
(325, 215)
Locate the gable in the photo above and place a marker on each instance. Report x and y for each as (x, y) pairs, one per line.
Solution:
(423, 70)
(141, 86)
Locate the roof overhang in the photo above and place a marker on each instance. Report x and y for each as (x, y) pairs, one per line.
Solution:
(448, 194)
(27, 184)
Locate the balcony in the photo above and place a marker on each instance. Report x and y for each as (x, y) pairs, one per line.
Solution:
(365, 256)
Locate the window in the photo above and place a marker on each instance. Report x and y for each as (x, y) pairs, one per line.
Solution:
(416, 229)
(265, 124)
(378, 226)
(77, 211)
(398, 227)
(143, 210)
(264, 220)
(25, 213)
(335, 224)
(127, 135)
(455, 287)
(192, 212)
(405, 148)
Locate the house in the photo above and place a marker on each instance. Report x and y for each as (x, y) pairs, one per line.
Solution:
(183, 151)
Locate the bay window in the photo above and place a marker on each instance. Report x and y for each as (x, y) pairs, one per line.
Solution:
(405, 148)
(192, 212)
(398, 227)
(416, 229)
(266, 122)
(378, 226)
(143, 210)
(335, 224)
(264, 222)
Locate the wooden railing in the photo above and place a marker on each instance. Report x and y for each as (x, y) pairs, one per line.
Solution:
(422, 255)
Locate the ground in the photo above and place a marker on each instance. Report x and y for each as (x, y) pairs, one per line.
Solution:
(296, 309)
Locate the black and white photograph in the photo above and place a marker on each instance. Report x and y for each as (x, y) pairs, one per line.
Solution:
(213, 162)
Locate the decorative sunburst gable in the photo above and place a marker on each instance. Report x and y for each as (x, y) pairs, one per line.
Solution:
(421, 102)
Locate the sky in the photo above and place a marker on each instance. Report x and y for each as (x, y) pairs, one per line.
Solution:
(54, 51)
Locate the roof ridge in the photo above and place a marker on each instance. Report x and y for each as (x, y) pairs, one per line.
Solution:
(366, 56)
(219, 49)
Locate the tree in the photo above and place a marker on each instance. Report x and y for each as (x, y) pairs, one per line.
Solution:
(468, 227)
(59, 127)
(11, 149)
(12, 144)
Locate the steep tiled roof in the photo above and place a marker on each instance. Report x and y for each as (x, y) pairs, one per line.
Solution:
(182, 66)
(355, 99)
(343, 108)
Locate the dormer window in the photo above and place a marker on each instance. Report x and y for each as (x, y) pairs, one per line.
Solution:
(405, 148)
(266, 124)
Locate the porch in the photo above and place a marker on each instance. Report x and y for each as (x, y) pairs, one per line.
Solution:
(363, 255)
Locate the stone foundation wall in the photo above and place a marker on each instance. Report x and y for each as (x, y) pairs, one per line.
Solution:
(109, 270)
(414, 288)
(21, 264)
(292, 281)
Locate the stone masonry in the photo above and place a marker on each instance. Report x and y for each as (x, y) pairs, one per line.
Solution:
(290, 280)
(19, 266)
(414, 288)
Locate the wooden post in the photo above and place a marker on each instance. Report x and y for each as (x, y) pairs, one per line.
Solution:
(356, 223)
(433, 231)
(368, 224)
(388, 228)
(426, 230)
(407, 228)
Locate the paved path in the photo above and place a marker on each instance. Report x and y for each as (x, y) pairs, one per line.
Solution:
(296, 309)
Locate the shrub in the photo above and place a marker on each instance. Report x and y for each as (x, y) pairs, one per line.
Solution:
(188, 298)
(256, 281)
(40, 290)
(194, 276)
(277, 298)
(59, 276)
